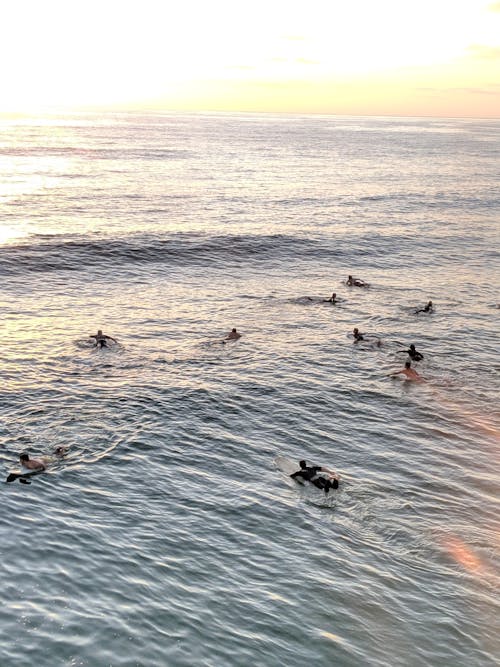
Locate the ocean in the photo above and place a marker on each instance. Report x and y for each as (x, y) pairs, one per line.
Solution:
(166, 536)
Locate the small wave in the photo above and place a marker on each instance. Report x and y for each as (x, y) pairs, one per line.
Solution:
(54, 253)
(46, 253)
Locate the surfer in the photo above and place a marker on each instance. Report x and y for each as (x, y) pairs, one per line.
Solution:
(358, 336)
(356, 282)
(233, 335)
(409, 372)
(332, 299)
(429, 308)
(412, 353)
(101, 339)
(31, 464)
(310, 474)
(31, 467)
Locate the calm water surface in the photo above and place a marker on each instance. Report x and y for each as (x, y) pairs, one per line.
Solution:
(166, 537)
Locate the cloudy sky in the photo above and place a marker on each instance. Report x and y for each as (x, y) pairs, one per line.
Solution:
(382, 57)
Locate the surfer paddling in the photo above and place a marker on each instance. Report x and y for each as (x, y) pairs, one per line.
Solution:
(412, 353)
(333, 299)
(356, 282)
(360, 337)
(31, 467)
(429, 308)
(32, 464)
(409, 372)
(101, 340)
(357, 335)
(310, 474)
(233, 335)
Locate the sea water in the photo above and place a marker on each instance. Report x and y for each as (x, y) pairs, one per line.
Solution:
(166, 536)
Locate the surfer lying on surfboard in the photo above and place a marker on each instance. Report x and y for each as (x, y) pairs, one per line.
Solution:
(310, 474)
(356, 282)
(32, 467)
(101, 340)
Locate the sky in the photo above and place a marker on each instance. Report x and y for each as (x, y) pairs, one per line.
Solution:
(354, 57)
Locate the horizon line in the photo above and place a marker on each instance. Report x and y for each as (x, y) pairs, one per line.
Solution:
(155, 111)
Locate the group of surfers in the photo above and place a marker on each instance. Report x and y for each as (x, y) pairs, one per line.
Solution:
(101, 340)
(322, 477)
(306, 473)
(409, 372)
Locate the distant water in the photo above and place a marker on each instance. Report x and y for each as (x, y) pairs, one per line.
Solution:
(167, 537)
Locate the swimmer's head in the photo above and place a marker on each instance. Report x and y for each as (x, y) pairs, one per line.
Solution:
(99, 332)
(412, 347)
(233, 330)
(303, 464)
(408, 364)
(24, 457)
(334, 295)
(355, 331)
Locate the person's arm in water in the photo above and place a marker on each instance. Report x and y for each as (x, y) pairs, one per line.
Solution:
(110, 338)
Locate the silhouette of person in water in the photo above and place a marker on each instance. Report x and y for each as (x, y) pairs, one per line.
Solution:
(409, 373)
(357, 335)
(101, 340)
(31, 464)
(429, 308)
(310, 474)
(332, 299)
(412, 353)
(356, 282)
(233, 335)
(29, 467)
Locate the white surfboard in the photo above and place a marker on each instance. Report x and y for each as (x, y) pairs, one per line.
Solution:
(286, 465)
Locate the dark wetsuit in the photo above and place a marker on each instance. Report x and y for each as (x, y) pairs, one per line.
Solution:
(307, 473)
(428, 309)
(310, 473)
(413, 354)
(101, 342)
(358, 336)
